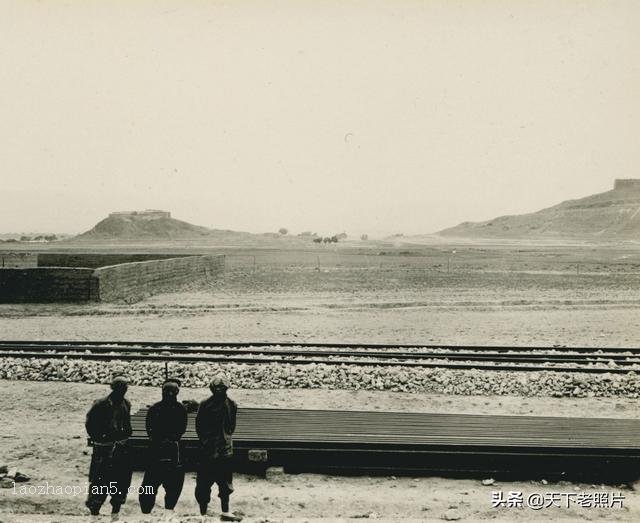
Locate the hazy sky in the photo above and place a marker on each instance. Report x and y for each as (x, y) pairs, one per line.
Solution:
(378, 117)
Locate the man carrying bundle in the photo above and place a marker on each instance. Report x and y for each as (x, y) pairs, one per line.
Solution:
(108, 424)
(166, 423)
(215, 424)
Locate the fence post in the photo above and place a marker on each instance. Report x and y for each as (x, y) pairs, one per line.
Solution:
(254, 264)
(318, 263)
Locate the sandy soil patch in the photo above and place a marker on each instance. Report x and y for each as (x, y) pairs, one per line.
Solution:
(590, 328)
(52, 447)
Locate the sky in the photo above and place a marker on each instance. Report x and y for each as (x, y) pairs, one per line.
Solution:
(328, 116)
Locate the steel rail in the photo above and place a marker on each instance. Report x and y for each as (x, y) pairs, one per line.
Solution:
(253, 360)
(285, 356)
(403, 428)
(311, 349)
(233, 344)
(521, 357)
(295, 354)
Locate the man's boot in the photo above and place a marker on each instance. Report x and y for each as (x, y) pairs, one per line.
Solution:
(229, 516)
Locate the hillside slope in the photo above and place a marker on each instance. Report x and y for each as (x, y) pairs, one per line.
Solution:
(160, 227)
(128, 227)
(612, 214)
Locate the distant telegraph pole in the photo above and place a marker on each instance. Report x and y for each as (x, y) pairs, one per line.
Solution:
(449, 260)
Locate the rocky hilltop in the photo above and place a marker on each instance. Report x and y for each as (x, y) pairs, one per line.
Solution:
(144, 225)
(153, 226)
(612, 214)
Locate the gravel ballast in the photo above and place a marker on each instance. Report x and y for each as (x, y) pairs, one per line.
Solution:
(334, 377)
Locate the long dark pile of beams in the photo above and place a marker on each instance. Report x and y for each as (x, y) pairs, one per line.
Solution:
(418, 443)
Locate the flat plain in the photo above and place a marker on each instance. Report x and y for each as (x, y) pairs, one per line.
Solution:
(476, 294)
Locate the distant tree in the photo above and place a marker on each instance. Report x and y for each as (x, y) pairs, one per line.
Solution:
(364, 237)
(51, 238)
(317, 240)
(334, 239)
(342, 236)
(283, 231)
(24, 238)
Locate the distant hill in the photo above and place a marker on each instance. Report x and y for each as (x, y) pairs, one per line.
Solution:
(159, 226)
(145, 225)
(613, 214)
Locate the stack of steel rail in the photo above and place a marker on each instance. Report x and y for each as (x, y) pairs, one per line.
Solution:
(564, 359)
(462, 445)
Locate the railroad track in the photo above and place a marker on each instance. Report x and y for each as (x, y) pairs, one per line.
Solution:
(497, 358)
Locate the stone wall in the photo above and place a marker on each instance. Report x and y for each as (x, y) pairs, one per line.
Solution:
(95, 260)
(46, 285)
(18, 259)
(121, 282)
(135, 281)
(628, 184)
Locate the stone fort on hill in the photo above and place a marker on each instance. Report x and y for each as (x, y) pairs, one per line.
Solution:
(149, 214)
(628, 184)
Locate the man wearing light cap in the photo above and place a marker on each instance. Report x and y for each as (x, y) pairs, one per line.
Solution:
(108, 424)
(215, 424)
(166, 422)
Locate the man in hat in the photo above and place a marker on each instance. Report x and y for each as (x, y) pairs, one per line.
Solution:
(166, 423)
(215, 424)
(108, 424)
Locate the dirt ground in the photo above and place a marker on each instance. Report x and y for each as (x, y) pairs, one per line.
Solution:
(42, 423)
(573, 326)
(43, 436)
(390, 305)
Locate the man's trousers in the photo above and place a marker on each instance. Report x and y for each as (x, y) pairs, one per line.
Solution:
(171, 477)
(109, 475)
(218, 471)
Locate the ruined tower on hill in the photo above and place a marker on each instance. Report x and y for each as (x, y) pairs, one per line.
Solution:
(151, 224)
(628, 184)
(149, 214)
(606, 216)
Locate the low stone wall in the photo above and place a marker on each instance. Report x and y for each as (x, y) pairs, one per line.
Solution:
(46, 285)
(135, 281)
(123, 282)
(18, 260)
(95, 260)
